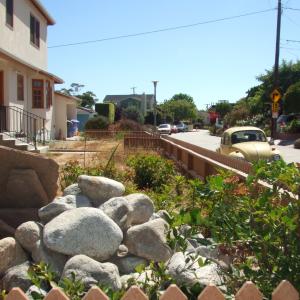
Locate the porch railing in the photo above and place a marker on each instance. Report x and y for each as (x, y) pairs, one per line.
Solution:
(22, 125)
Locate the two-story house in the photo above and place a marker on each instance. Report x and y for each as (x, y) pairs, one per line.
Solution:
(29, 106)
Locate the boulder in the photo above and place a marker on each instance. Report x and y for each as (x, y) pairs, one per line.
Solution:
(45, 168)
(100, 189)
(148, 240)
(142, 208)
(188, 272)
(6, 230)
(118, 209)
(84, 230)
(17, 276)
(92, 272)
(11, 254)
(163, 214)
(54, 259)
(61, 204)
(72, 189)
(28, 233)
(25, 190)
(127, 264)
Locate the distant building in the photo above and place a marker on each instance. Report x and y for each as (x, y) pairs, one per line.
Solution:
(143, 102)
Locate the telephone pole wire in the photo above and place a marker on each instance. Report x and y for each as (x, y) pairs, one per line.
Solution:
(276, 66)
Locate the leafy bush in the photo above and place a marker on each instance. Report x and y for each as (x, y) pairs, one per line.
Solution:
(293, 127)
(99, 122)
(127, 125)
(151, 171)
(212, 130)
(297, 144)
(134, 114)
(106, 110)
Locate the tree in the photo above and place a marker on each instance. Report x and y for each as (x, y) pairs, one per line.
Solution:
(179, 107)
(73, 90)
(222, 108)
(88, 99)
(291, 102)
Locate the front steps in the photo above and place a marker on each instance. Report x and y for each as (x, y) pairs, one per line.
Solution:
(7, 141)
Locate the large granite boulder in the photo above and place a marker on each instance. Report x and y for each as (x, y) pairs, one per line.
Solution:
(92, 272)
(83, 230)
(25, 184)
(28, 233)
(128, 264)
(61, 204)
(148, 240)
(46, 170)
(142, 208)
(100, 189)
(11, 254)
(119, 210)
(72, 189)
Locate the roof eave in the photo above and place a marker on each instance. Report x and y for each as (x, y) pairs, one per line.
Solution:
(44, 12)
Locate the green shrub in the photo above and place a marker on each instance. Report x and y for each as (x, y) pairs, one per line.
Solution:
(99, 122)
(127, 125)
(293, 126)
(151, 171)
(134, 114)
(106, 110)
(297, 144)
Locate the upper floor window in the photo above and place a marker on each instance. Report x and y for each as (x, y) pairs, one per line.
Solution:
(48, 94)
(34, 31)
(10, 12)
(20, 87)
(37, 93)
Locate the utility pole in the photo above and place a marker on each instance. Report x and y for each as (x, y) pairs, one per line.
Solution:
(276, 70)
(133, 90)
(154, 108)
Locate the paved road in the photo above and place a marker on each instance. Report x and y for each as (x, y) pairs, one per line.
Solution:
(203, 139)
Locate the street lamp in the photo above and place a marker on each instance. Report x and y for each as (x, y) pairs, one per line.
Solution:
(154, 108)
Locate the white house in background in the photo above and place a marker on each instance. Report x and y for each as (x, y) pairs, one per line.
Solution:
(28, 104)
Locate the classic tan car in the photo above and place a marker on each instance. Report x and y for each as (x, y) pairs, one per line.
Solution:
(247, 143)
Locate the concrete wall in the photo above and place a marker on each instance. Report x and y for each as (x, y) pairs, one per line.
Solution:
(16, 40)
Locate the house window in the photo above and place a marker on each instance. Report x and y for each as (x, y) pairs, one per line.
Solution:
(37, 93)
(20, 87)
(34, 31)
(10, 12)
(48, 94)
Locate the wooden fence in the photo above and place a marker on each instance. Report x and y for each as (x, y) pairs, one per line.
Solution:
(284, 291)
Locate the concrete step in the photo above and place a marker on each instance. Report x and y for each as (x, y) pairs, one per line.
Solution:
(7, 141)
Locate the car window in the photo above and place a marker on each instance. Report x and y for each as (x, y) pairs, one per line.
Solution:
(163, 126)
(248, 136)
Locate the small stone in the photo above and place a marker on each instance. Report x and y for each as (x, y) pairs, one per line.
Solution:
(100, 189)
(28, 233)
(92, 272)
(142, 208)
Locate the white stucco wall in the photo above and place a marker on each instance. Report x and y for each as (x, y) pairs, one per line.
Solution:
(65, 109)
(16, 40)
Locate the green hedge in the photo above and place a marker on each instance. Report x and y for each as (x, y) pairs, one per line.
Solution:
(107, 110)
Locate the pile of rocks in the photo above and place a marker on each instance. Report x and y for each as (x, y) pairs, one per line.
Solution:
(95, 232)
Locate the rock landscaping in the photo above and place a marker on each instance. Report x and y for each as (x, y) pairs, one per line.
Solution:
(97, 233)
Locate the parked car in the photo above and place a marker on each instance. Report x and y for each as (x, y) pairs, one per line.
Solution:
(247, 143)
(174, 129)
(164, 129)
(182, 127)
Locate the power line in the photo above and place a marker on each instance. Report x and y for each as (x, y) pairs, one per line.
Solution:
(291, 8)
(163, 29)
(293, 41)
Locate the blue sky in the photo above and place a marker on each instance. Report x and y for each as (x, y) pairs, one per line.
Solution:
(209, 62)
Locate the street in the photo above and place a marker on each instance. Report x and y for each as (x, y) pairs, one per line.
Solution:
(203, 139)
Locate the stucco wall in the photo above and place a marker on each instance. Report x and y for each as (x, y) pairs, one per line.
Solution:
(11, 70)
(16, 40)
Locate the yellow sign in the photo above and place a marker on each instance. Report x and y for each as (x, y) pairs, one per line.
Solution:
(275, 107)
(276, 96)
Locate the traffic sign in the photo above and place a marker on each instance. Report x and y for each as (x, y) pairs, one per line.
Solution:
(275, 95)
(275, 110)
